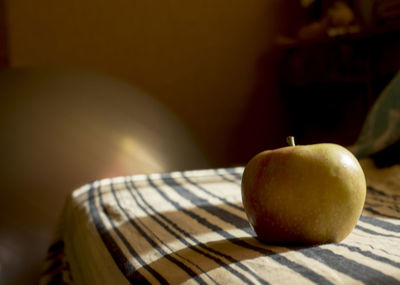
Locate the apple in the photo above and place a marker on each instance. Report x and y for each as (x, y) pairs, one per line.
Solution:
(303, 194)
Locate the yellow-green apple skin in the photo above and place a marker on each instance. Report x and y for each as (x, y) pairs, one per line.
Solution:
(311, 194)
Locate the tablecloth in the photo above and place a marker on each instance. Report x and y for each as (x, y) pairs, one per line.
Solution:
(189, 227)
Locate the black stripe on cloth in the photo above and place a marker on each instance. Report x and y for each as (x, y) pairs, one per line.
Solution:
(193, 239)
(386, 200)
(230, 204)
(234, 173)
(304, 271)
(202, 203)
(375, 233)
(381, 224)
(55, 266)
(375, 198)
(154, 244)
(376, 209)
(54, 253)
(237, 177)
(56, 247)
(124, 265)
(376, 212)
(355, 270)
(371, 255)
(393, 197)
(57, 280)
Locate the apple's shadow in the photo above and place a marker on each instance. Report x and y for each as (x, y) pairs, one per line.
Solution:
(225, 254)
(162, 239)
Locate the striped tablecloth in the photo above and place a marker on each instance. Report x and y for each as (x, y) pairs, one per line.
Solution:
(190, 227)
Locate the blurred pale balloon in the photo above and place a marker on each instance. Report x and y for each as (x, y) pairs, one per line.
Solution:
(64, 128)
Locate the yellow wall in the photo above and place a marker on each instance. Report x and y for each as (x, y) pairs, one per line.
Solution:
(199, 57)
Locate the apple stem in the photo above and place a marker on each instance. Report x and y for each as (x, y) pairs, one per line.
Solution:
(290, 141)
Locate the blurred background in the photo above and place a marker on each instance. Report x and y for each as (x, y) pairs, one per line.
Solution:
(93, 89)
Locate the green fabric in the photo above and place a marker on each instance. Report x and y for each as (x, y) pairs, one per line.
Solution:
(382, 125)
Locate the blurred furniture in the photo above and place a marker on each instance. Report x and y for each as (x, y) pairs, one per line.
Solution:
(330, 83)
(62, 128)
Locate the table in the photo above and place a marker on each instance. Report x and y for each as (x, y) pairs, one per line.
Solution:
(189, 227)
